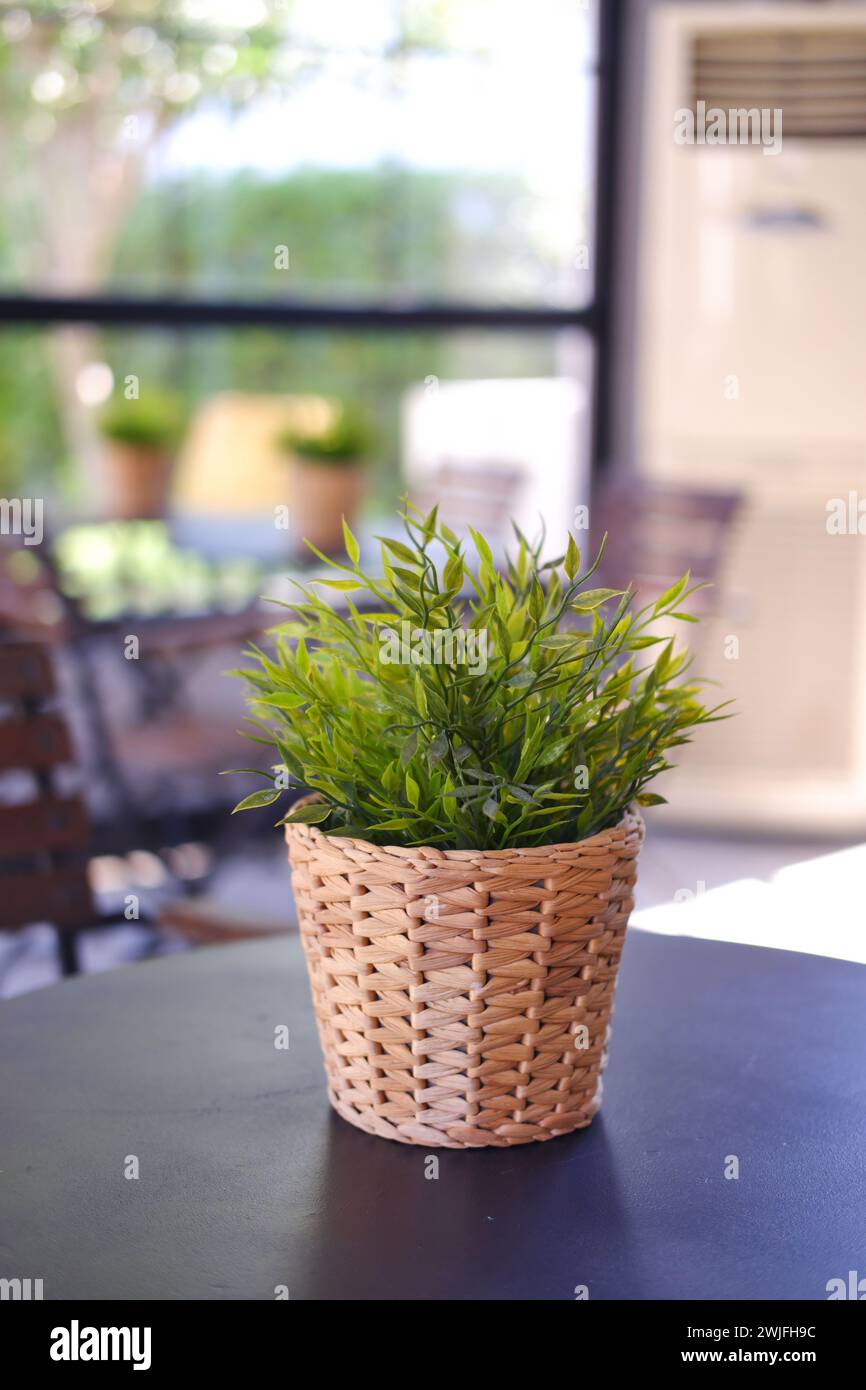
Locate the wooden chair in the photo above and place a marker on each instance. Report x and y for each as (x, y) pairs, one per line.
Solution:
(654, 534)
(472, 495)
(44, 833)
(145, 764)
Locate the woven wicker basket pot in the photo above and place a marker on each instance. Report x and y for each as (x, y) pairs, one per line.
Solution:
(463, 997)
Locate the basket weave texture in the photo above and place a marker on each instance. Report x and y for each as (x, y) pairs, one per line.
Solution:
(463, 997)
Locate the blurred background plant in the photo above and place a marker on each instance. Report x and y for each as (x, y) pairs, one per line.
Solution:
(121, 566)
(153, 420)
(341, 436)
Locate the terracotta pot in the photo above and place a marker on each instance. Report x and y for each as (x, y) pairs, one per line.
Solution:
(463, 997)
(321, 495)
(137, 480)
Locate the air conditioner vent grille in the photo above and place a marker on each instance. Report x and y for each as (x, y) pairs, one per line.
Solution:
(818, 80)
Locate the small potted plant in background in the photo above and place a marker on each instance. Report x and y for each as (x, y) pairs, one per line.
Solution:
(478, 747)
(327, 446)
(142, 437)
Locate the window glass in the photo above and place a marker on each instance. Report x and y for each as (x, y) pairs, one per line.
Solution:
(310, 148)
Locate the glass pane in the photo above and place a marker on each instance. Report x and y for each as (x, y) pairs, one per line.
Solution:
(431, 148)
(197, 433)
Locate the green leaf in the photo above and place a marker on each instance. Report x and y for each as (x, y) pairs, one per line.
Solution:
(522, 679)
(403, 552)
(420, 694)
(591, 599)
(572, 558)
(482, 547)
(671, 595)
(554, 751)
(256, 771)
(454, 573)
(438, 748)
(560, 641)
(520, 795)
(411, 578)
(262, 798)
(395, 823)
(409, 748)
(313, 814)
(353, 550)
(536, 599)
(282, 699)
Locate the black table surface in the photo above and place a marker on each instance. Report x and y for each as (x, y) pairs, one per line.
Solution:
(249, 1185)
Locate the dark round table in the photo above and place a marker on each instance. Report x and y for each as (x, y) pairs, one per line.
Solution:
(248, 1185)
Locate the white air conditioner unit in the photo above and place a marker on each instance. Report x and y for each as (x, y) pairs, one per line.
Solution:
(752, 376)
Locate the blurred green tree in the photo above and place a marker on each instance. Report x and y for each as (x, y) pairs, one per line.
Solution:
(87, 89)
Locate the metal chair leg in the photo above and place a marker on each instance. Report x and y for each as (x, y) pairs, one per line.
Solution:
(67, 949)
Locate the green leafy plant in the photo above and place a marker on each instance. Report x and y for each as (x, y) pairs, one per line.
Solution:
(343, 439)
(155, 420)
(566, 720)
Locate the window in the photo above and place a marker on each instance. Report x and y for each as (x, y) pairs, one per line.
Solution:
(300, 196)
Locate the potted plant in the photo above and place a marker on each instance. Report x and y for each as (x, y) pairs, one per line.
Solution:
(478, 748)
(327, 446)
(142, 437)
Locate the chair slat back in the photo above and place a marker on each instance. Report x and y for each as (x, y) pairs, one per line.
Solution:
(59, 896)
(479, 496)
(25, 671)
(655, 534)
(43, 872)
(53, 823)
(35, 743)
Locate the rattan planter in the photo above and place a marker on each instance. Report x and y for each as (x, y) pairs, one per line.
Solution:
(463, 997)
